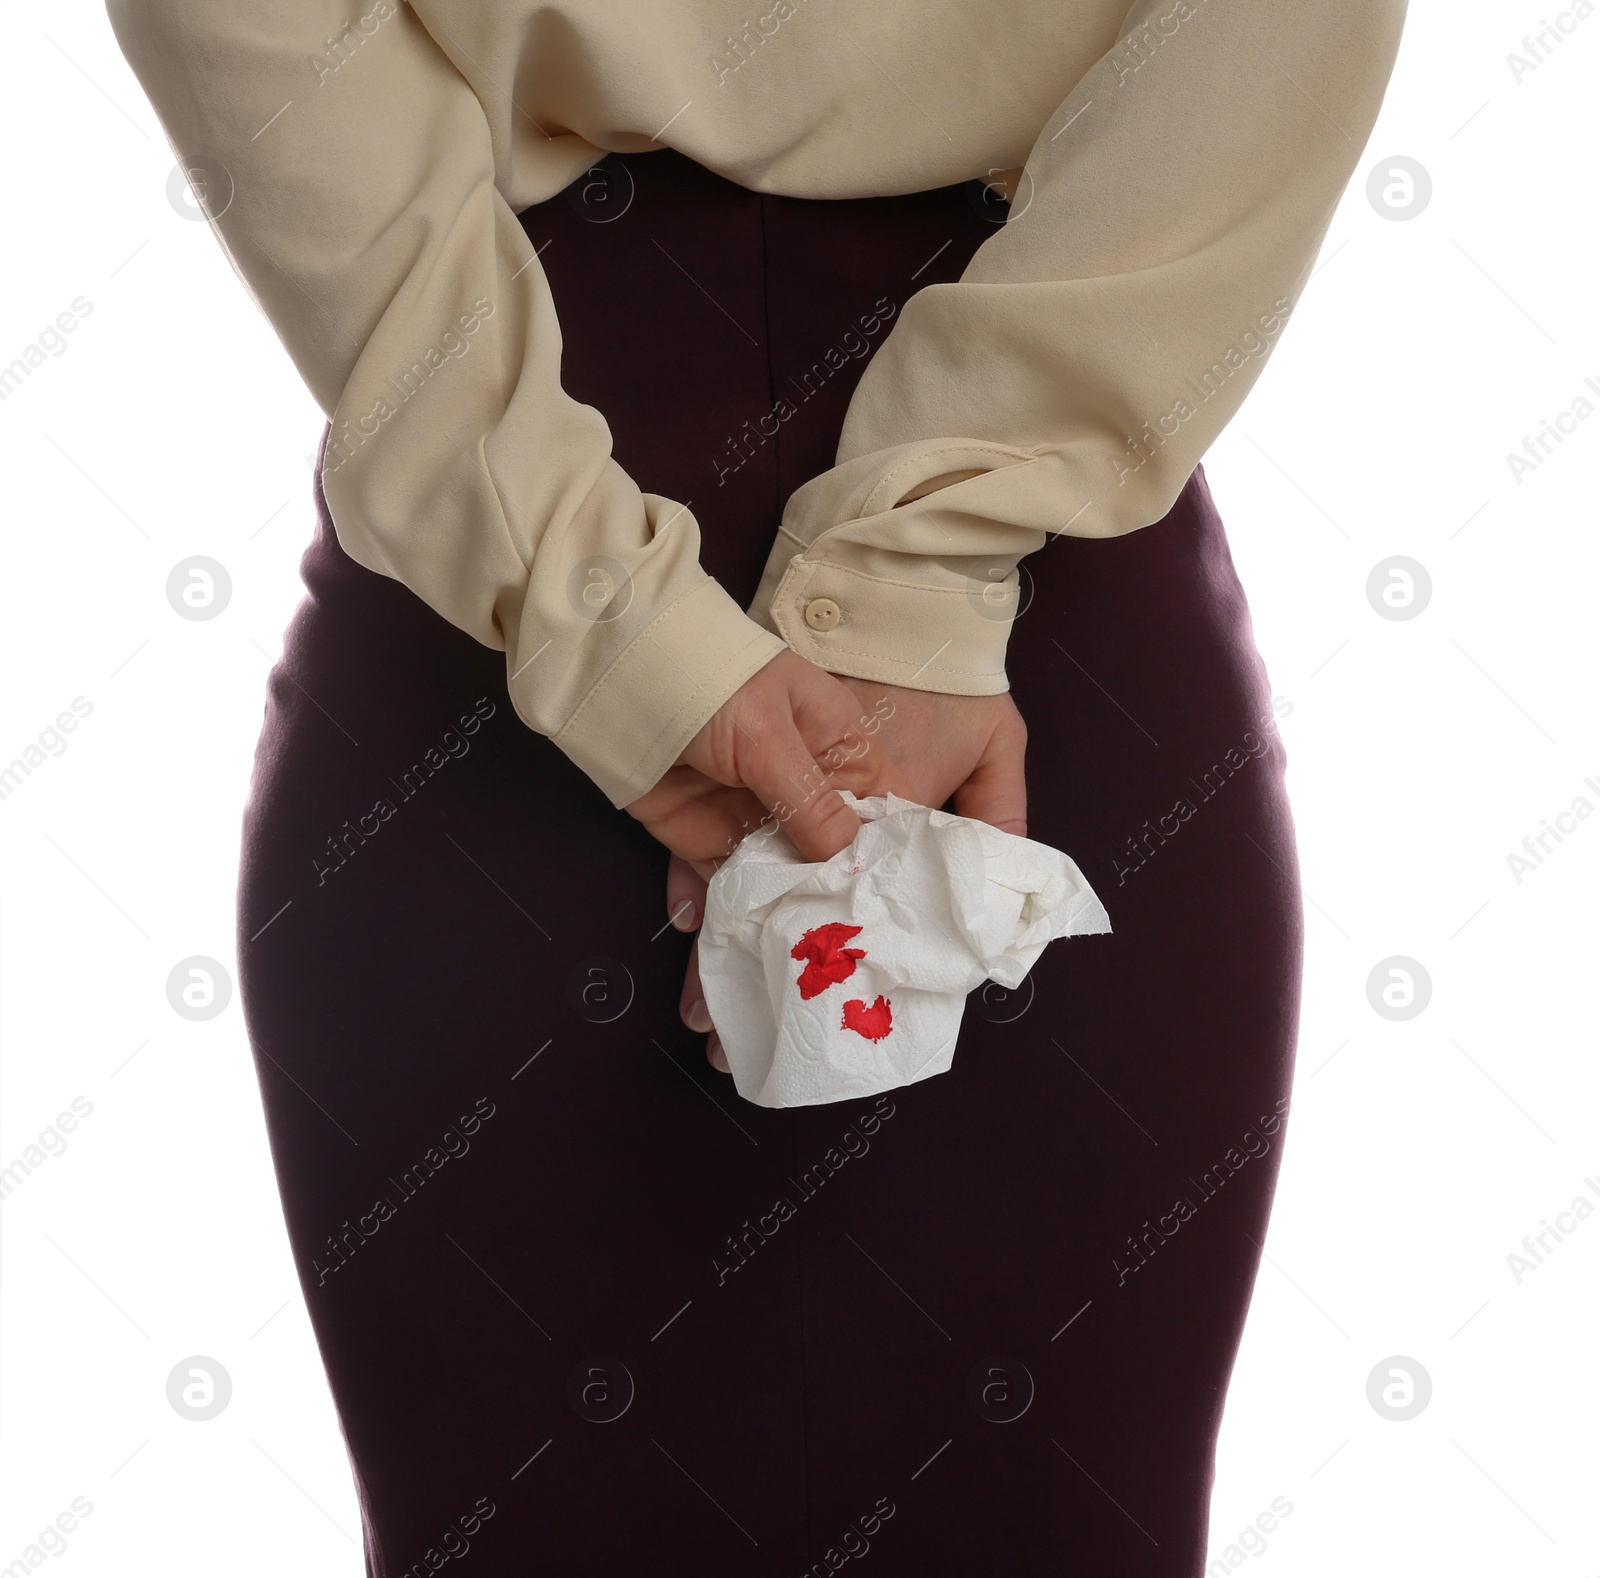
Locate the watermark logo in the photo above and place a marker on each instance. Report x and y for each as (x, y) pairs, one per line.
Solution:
(351, 837)
(1000, 1390)
(50, 341)
(600, 1390)
(1539, 47)
(999, 593)
(200, 188)
(1255, 1142)
(456, 1540)
(1536, 846)
(1537, 1247)
(198, 588)
(1248, 346)
(1399, 988)
(1141, 846)
(198, 1388)
(856, 1540)
(199, 988)
(740, 48)
(853, 1143)
(1399, 588)
(339, 51)
(51, 1141)
(49, 742)
(1399, 1388)
(51, 1540)
(456, 1142)
(854, 344)
(1140, 45)
(599, 590)
(600, 989)
(1399, 187)
(1000, 1005)
(348, 434)
(1538, 447)
(986, 194)
(603, 193)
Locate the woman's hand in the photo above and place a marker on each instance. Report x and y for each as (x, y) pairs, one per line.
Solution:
(780, 747)
(971, 748)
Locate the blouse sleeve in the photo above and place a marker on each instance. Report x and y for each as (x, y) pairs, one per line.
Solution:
(1166, 221)
(354, 193)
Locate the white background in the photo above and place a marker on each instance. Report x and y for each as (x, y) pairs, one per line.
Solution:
(1422, 752)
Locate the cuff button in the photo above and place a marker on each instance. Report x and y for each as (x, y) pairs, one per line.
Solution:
(822, 613)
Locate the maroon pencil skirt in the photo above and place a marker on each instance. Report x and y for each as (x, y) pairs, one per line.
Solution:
(584, 1310)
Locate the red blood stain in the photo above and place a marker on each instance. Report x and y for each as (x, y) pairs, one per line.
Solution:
(828, 961)
(874, 1023)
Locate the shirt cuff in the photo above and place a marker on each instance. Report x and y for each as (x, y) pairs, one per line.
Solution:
(664, 685)
(921, 593)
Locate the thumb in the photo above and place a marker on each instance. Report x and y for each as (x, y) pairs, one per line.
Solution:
(996, 791)
(788, 780)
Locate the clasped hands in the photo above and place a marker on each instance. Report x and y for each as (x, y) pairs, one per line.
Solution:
(784, 744)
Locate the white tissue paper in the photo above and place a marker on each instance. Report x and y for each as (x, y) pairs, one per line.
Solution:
(832, 981)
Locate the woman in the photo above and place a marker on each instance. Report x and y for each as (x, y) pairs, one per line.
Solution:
(724, 412)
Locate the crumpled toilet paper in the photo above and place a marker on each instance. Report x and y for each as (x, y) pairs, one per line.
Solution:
(835, 980)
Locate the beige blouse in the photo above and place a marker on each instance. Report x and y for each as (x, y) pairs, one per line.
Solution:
(1175, 168)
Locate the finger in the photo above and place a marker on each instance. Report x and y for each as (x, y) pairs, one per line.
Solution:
(715, 1056)
(996, 791)
(866, 767)
(686, 894)
(878, 774)
(830, 721)
(692, 999)
(794, 786)
(697, 821)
